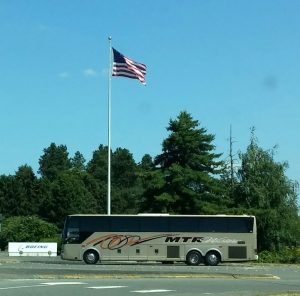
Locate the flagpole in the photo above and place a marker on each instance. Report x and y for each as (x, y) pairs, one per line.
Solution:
(109, 131)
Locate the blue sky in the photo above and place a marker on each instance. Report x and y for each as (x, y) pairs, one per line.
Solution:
(225, 62)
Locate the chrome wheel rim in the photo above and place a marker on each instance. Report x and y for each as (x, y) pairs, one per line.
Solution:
(91, 257)
(212, 259)
(194, 258)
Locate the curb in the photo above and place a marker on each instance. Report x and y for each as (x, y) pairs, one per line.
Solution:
(177, 276)
(114, 275)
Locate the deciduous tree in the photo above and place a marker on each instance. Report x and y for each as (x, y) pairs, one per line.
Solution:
(265, 190)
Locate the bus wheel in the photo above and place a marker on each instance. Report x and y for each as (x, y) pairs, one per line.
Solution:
(193, 258)
(212, 258)
(90, 257)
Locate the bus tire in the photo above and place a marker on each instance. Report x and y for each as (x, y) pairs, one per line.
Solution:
(193, 258)
(90, 257)
(212, 258)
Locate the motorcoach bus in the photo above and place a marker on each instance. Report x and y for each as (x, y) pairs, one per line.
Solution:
(193, 239)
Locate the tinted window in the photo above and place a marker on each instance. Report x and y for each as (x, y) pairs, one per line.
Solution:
(213, 224)
(90, 224)
(154, 224)
(226, 224)
(94, 223)
(72, 222)
(125, 224)
(184, 224)
(244, 224)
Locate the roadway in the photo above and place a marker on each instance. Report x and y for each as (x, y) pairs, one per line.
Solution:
(46, 276)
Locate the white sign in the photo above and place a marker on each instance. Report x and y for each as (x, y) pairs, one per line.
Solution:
(32, 249)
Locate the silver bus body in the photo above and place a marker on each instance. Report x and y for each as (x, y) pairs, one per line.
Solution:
(193, 239)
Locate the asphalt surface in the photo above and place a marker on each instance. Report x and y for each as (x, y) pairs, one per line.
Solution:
(55, 267)
(158, 286)
(34, 276)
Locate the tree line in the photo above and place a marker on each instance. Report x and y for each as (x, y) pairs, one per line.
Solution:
(188, 177)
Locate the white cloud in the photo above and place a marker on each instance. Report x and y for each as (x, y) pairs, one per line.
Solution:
(90, 72)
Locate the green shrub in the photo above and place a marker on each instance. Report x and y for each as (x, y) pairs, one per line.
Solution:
(26, 229)
(285, 255)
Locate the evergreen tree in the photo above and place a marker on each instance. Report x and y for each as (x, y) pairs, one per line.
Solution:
(19, 194)
(123, 168)
(97, 170)
(185, 181)
(146, 163)
(54, 160)
(68, 195)
(8, 203)
(125, 192)
(27, 191)
(97, 166)
(78, 162)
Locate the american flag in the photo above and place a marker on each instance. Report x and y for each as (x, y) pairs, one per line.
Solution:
(126, 67)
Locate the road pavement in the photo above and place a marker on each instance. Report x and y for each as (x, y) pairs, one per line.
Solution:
(46, 276)
(160, 286)
(55, 267)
